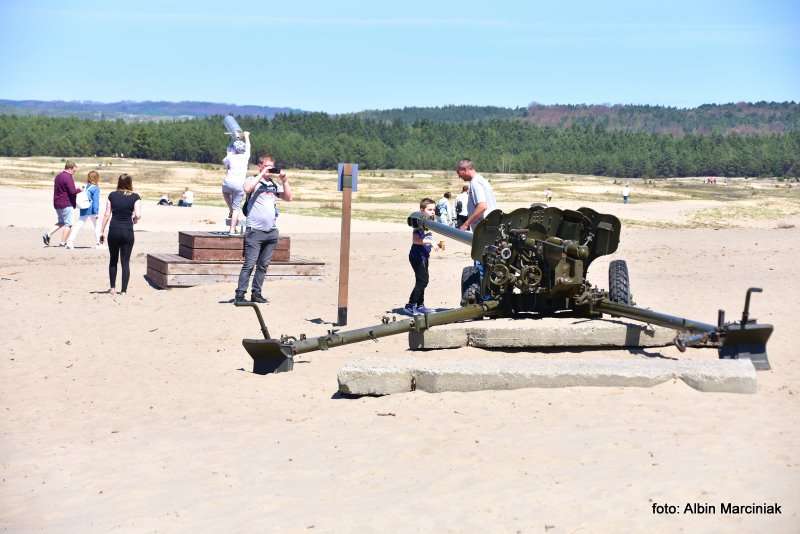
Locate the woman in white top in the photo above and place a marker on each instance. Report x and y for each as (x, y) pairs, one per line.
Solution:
(235, 161)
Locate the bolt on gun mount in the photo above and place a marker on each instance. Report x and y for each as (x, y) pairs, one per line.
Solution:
(533, 262)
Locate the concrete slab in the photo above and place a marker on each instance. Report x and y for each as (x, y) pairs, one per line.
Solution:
(542, 333)
(382, 376)
(379, 377)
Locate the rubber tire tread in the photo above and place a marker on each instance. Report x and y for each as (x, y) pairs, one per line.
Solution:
(470, 285)
(619, 286)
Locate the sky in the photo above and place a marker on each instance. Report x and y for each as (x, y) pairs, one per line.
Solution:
(351, 55)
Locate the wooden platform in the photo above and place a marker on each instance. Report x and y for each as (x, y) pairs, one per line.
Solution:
(221, 246)
(211, 257)
(172, 270)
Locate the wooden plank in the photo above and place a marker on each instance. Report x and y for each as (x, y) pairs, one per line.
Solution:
(220, 254)
(235, 269)
(167, 257)
(156, 262)
(157, 278)
(189, 280)
(221, 240)
(170, 264)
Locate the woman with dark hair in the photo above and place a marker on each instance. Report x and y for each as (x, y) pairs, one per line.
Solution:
(124, 210)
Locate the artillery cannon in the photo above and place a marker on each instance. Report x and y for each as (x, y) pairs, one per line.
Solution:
(533, 262)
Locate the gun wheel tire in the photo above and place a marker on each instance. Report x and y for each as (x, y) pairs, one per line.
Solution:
(470, 286)
(619, 286)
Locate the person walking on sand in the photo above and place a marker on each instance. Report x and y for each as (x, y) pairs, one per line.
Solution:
(261, 236)
(480, 198)
(64, 193)
(443, 210)
(626, 192)
(236, 160)
(123, 210)
(88, 214)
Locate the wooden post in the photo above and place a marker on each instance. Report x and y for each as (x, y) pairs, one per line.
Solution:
(348, 176)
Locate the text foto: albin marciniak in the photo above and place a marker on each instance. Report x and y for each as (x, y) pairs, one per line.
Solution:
(724, 508)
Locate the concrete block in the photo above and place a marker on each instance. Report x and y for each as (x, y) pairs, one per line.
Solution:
(375, 376)
(542, 333)
(725, 376)
(543, 373)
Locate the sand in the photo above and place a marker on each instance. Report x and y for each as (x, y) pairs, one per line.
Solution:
(140, 414)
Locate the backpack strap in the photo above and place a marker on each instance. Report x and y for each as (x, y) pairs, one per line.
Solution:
(252, 196)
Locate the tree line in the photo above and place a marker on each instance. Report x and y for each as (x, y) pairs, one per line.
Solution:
(741, 118)
(319, 141)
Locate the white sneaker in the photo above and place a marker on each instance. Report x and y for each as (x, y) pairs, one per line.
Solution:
(68, 246)
(98, 245)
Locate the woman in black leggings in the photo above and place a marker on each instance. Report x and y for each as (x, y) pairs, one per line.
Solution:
(124, 210)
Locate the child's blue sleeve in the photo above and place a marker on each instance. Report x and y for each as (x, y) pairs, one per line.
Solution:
(95, 192)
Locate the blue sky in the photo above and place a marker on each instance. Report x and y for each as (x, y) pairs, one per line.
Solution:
(349, 55)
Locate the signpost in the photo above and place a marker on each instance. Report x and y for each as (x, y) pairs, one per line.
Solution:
(348, 183)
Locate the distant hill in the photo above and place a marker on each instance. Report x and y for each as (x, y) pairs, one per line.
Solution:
(410, 115)
(135, 111)
(742, 118)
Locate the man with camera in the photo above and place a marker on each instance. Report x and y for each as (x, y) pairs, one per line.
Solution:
(261, 236)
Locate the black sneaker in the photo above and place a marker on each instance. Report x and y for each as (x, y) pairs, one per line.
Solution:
(239, 298)
(256, 297)
(46, 239)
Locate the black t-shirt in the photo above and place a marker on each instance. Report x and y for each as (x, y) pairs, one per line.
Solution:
(122, 209)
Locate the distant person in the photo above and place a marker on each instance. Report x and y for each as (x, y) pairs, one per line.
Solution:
(419, 257)
(236, 160)
(187, 199)
(548, 195)
(164, 200)
(89, 214)
(64, 193)
(123, 210)
(480, 198)
(626, 193)
(261, 236)
(461, 206)
(442, 209)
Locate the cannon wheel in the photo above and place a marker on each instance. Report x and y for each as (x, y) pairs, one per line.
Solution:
(619, 286)
(470, 286)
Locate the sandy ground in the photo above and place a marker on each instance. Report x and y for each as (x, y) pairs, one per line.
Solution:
(139, 413)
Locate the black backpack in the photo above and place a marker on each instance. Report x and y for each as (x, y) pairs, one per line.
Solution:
(437, 211)
(459, 206)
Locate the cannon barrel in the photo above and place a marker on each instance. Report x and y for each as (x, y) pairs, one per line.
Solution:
(417, 221)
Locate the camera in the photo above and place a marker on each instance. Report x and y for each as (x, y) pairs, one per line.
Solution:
(274, 170)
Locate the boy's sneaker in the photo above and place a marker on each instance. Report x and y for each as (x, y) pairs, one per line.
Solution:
(257, 297)
(410, 309)
(239, 298)
(68, 246)
(46, 239)
(423, 309)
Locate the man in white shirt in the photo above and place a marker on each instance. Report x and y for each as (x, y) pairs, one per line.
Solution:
(480, 199)
(187, 199)
(626, 192)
